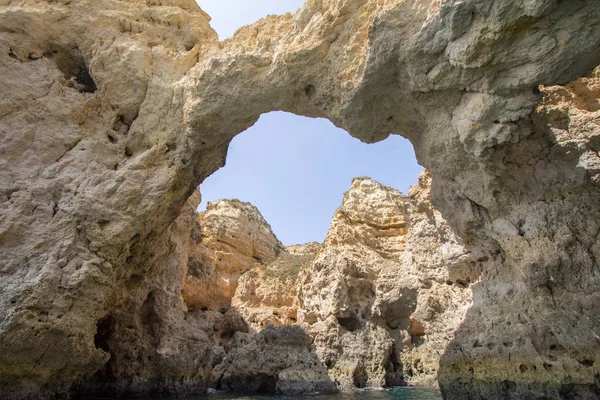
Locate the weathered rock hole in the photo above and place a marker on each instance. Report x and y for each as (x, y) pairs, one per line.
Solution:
(360, 377)
(135, 279)
(103, 332)
(523, 368)
(349, 323)
(394, 376)
(510, 385)
(120, 126)
(417, 340)
(310, 91)
(463, 284)
(520, 228)
(112, 139)
(148, 313)
(128, 152)
(71, 63)
(587, 362)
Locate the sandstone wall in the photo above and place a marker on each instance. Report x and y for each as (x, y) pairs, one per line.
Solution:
(378, 302)
(389, 288)
(231, 238)
(114, 111)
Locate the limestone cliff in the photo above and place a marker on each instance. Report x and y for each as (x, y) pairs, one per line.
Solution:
(232, 237)
(267, 295)
(389, 288)
(381, 298)
(112, 112)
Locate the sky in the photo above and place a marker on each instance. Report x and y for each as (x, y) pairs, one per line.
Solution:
(229, 15)
(294, 169)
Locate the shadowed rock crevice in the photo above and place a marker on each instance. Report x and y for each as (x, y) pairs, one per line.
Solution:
(349, 323)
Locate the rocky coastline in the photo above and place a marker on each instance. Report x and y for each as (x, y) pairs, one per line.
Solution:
(484, 280)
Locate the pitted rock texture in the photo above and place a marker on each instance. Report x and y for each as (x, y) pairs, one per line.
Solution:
(533, 329)
(114, 111)
(389, 288)
(276, 360)
(153, 345)
(232, 237)
(380, 299)
(267, 294)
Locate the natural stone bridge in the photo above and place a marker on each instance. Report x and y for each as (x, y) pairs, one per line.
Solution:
(114, 111)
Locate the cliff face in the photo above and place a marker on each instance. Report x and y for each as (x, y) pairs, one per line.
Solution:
(375, 305)
(114, 111)
(267, 295)
(231, 237)
(534, 320)
(391, 284)
(381, 298)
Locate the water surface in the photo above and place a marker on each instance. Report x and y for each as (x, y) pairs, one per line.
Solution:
(387, 394)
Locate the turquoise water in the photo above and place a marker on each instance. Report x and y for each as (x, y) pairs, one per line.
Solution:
(387, 394)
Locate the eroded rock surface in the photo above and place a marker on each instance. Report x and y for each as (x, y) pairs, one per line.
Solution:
(277, 360)
(114, 111)
(231, 238)
(267, 295)
(375, 305)
(389, 288)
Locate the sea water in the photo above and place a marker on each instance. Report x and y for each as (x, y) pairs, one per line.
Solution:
(404, 393)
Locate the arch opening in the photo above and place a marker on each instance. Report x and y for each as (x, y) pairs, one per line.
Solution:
(296, 169)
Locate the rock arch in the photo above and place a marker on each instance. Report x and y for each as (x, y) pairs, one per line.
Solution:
(93, 181)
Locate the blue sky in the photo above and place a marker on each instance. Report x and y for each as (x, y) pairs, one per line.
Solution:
(296, 169)
(229, 15)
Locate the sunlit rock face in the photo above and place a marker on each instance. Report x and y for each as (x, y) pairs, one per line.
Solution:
(231, 238)
(376, 304)
(388, 289)
(267, 295)
(114, 111)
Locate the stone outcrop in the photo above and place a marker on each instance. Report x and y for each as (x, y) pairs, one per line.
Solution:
(153, 345)
(112, 112)
(231, 238)
(385, 294)
(267, 294)
(533, 329)
(277, 360)
(375, 305)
